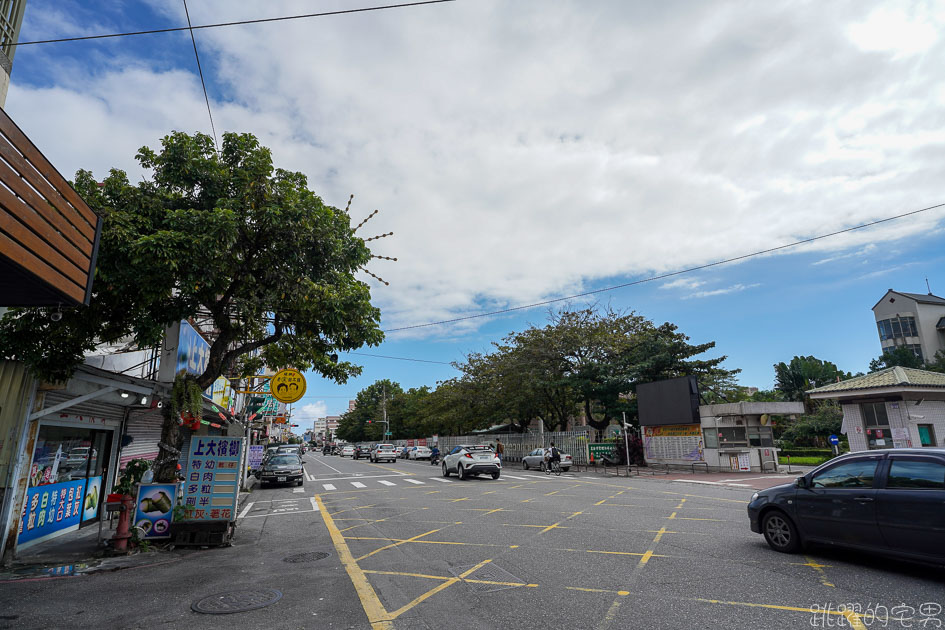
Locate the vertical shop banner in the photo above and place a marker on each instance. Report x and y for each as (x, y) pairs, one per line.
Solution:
(93, 492)
(211, 484)
(154, 509)
(256, 456)
(51, 508)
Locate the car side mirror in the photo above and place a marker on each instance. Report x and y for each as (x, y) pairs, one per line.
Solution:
(800, 482)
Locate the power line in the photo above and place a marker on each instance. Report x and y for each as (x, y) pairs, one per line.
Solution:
(670, 274)
(381, 356)
(223, 24)
(202, 82)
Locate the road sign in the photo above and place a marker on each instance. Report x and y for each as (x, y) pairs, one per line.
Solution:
(834, 439)
(287, 386)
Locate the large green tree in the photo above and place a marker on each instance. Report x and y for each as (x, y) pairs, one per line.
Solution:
(803, 373)
(223, 236)
(901, 356)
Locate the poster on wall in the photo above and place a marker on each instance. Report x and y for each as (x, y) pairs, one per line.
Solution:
(674, 442)
(256, 456)
(211, 483)
(154, 509)
(93, 492)
(49, 509)
(744, 462)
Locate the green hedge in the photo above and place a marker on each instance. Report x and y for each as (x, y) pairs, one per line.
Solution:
(807, 461)
(806, 452)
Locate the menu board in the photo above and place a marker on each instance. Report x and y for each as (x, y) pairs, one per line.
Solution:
(211, 483)
(673, 441)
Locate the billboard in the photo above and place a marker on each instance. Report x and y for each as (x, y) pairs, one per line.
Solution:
(673, 401)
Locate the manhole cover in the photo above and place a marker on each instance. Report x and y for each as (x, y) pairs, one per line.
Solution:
(488, 578)
(309, 556)
(237, 601)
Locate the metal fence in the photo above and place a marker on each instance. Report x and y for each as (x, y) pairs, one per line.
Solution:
(517, 445)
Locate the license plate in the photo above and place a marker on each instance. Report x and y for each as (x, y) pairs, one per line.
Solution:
(484, 457)
(280, 478)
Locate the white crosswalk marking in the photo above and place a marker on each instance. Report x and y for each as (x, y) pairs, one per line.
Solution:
(328, 486)
(414, 481)
(443, 480)
(519, 478)
(386, 483)
(358, 484)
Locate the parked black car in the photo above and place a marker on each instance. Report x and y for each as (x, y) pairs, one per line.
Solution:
(282, 468)
(890, 502)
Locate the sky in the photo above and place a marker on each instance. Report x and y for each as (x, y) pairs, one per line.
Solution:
(525, 150)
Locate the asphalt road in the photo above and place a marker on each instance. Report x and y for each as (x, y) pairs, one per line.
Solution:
(412, 550)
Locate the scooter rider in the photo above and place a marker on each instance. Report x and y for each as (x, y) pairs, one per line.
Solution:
(434, 455)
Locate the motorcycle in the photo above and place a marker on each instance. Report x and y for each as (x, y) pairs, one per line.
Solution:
(434, 459)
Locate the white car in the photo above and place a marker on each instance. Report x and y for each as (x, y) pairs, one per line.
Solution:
(347, 451)
(419, 452)
(472, 459)
(536, 459)
(383, 451)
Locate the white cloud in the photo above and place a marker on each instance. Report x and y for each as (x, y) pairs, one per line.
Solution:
(735, 288)
(895, 31)
(521, 151)
(683, 283)
(310, 412)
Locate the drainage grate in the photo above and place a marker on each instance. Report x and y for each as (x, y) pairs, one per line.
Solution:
(236, 601)
(487, 578)
(308, 556)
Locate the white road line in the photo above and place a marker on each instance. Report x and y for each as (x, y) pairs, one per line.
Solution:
(360, 476)
(358, 485)
(519, 478)
(246, 509)
(309, 476)
(386, 483)
(332, 467)
(328, 486)
(439, 479)
(299, 490)
(414, 481)
(314, 504)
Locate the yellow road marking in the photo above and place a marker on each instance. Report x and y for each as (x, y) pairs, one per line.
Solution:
(376, 614)
(437, 589)
(432, 491)
(494, 511)
(715, 520)
(855, 620)
(819, 568)
(672, 516)
(681, 501)
(528, 500)
(611, 615)
(357, 507)
(646, 557)
(542, 527)
(397, 544)
(458, 500)
(597, 590)
(450, 577)
(602, 501)
(485, 493)
(659, 534)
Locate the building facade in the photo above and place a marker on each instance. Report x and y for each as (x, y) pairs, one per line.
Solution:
(894, 408)
(914, 320)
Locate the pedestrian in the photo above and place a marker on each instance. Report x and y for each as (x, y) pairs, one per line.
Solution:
(499, 448)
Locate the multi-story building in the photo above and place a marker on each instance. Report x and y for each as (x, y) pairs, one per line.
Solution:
(914, 320)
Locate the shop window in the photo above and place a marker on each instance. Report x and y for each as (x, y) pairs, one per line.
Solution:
(711, 436)
(876, 423)
(732, 436)
(760, 436)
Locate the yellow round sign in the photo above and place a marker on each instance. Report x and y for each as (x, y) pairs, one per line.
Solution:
(287, 386)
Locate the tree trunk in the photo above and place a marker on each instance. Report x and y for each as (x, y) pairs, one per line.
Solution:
(171, 434)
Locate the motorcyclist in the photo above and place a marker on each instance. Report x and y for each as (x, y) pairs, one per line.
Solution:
(434, 455)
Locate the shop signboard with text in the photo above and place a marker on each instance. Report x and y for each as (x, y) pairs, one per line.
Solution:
(211, 483)
(154, 509)
(50, 509)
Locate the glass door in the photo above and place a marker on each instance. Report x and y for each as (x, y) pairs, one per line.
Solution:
(96, 475)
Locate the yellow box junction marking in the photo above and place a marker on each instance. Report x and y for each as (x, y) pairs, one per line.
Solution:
(819, 568)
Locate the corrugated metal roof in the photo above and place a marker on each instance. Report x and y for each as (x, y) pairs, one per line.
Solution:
(889, 377)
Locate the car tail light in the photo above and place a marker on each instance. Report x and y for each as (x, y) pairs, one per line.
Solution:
(567, 457)
(469, 455)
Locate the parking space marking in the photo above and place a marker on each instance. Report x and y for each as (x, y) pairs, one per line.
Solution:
(386, 483)
(855, 620)
(328, 486)
(414, 481)
(597, 590)
(358, 484)
(819, 569)
(246, 510)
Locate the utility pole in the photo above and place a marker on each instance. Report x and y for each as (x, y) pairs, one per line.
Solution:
(626, 438)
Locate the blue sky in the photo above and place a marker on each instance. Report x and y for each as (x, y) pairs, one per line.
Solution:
(522, 151)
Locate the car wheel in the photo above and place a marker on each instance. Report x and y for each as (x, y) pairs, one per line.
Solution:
(541, 467)
(495, 475)
(460, 472)
(524, 465)
(446, 471)
(780, 532)
(301, 482)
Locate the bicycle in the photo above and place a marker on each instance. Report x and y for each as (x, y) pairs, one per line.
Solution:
(554, 466)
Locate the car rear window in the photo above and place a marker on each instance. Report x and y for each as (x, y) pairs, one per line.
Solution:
(916, 474)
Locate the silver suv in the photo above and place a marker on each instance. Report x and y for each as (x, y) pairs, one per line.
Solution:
(383, 451)
(472, 459)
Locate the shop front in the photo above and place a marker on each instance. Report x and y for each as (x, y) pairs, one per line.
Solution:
(72, 463)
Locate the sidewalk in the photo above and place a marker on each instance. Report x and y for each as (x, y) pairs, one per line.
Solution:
(79, 553)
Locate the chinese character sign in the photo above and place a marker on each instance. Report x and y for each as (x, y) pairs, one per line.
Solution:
(154, 509)
(211, 483)
(256, 456)
(49, 509)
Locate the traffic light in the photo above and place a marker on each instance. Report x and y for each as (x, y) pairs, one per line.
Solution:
(369, 421)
